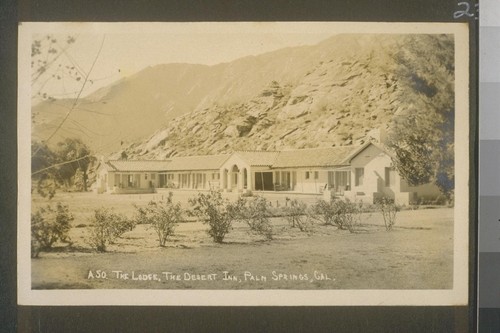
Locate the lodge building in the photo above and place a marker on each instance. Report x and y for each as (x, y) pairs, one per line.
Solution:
(356, 172)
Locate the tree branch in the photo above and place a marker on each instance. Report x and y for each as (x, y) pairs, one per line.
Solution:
(73, 106)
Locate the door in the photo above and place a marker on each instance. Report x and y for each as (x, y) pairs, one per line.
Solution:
(264, 181)
(342, 181)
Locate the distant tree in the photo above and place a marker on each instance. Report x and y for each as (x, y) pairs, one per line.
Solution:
(78, 157)
(445, 173)
(423, 151)
(421, 134)
(43, 175)
(52, 168)
(413, 149)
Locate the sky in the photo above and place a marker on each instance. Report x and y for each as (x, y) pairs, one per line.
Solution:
(130, 47)
(126, 51)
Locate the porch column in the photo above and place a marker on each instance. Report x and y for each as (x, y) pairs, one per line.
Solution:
(229, 180)
(240, 180)
(250, 185)
(222, 180)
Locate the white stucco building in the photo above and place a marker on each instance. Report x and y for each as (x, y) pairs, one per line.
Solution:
(361, 173)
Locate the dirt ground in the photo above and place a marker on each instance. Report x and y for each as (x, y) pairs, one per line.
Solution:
(417, 254)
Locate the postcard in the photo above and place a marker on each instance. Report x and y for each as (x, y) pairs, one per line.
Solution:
(243, 163)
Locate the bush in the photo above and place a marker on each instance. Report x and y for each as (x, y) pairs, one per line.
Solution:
(297, 216)
(349, 214)
(343, 214)
(389, 210)
(256, 214)
(162, 216)
(106, 227)
(49, 225)
(327, 212)
(219, 213)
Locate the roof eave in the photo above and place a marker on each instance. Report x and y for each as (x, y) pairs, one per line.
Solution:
(350, 157)
(311, 166)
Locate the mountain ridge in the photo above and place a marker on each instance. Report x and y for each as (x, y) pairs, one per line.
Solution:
(333, 93)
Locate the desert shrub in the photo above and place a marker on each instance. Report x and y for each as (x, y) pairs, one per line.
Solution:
(349, 214)
(389, 210)
(275, 211)
(49, 225)
(342, 213)
(217, 212)
(256, 214)
(106, 227)
(162, 216)
(295, 212)
(326, 211)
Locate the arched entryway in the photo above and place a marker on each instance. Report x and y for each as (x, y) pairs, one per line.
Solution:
(234, 178)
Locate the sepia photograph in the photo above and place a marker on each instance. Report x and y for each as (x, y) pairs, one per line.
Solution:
(243, 163)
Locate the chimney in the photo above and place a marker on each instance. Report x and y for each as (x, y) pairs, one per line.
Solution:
(378, 135)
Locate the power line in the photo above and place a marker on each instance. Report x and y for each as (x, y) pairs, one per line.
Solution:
(59, 164)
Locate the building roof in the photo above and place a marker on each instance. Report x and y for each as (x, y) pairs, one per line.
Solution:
(204, 162)
(314, 157)
(298, 158)
(258, 158)
(137, 165)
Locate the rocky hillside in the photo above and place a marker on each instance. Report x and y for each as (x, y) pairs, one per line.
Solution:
(333, 93)
(336, 93)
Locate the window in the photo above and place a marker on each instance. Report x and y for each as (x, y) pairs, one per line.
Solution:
(153, 176)
(145, 176)
(359, 175)
(307, 174)
(390, 177)
(316, 174)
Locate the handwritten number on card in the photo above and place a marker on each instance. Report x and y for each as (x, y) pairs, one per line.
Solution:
(466, 10)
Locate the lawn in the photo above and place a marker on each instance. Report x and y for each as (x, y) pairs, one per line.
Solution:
(416, 254)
